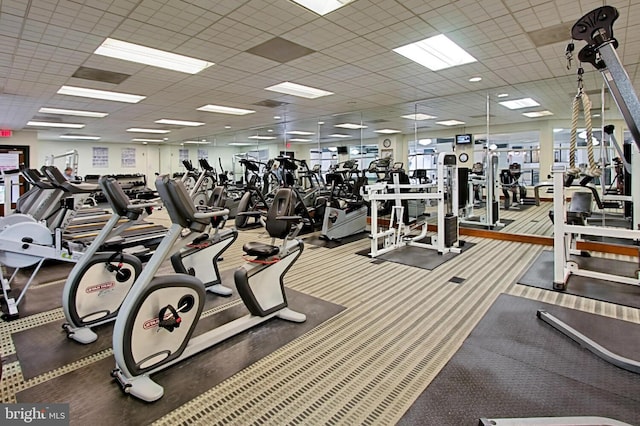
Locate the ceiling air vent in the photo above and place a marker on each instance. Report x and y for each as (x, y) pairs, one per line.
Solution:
(100, 75)
(551, 35)
(280, 50)
(270, 103)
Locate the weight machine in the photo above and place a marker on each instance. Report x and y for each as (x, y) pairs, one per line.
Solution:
(71, 160)
(398, 233)
(596, 28)
(488, 179)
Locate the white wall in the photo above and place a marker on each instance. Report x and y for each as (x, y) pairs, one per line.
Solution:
(146, 157)
(169, 157)
(150, 159)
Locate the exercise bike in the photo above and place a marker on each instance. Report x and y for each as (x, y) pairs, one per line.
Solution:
(99, 283)
(155, 326)
(200, 257)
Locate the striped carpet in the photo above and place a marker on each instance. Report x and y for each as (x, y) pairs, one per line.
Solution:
(368, 364)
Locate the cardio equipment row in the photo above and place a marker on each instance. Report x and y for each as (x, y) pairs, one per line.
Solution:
(155, 315)
(41, 229)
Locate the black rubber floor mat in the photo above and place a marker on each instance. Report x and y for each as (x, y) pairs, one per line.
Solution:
(321, 242)
(46, 288)
(92, 394)
(514, 365)
(51, 271)
(478, 225)
(37, 299)
(516, 207)
(540, 274)
(417, 257)
(62, 351)
(596, 219)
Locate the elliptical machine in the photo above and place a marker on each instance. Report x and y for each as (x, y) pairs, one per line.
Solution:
(154, 328)
(346, 211)
(254, 200)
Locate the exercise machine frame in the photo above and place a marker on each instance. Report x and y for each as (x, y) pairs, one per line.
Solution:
(397, 235)
(596, 28)
(491, 216)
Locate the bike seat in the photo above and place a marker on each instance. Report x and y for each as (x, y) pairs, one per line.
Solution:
(260, 249)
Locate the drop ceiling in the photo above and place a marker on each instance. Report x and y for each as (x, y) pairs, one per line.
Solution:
(45, 44)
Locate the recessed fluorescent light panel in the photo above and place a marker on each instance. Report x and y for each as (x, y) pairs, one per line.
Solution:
(436, 53)
(139, 130)
(294, 89)
(148, 56)
(322, 7)
(519, 103)
(196, 142)
(475, 79)
(262, 138)
(387, 131)
(55, 124)
(450, 122)
(339, 135)
(100, 94)
(74, 112)
(300, 133)
(80, 137)
(300, 140)
(536, 114)
(351, 126)
(146, 140)
(179, 122)
(419, 117)
(225, 110)
(240, 144)
(503, 95)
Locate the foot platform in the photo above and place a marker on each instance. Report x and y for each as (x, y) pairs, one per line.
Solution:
(291, 315)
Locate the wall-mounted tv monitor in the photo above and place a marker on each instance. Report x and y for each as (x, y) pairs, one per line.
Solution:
(343, 150)
(464, 139)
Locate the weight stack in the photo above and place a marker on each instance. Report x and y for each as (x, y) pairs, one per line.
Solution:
(495, 211)
(450, 230)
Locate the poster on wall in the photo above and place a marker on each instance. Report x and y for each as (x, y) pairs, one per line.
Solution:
(128, 157)
(183, 154)
(100, 157)
(10, 161)
(203, 153)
